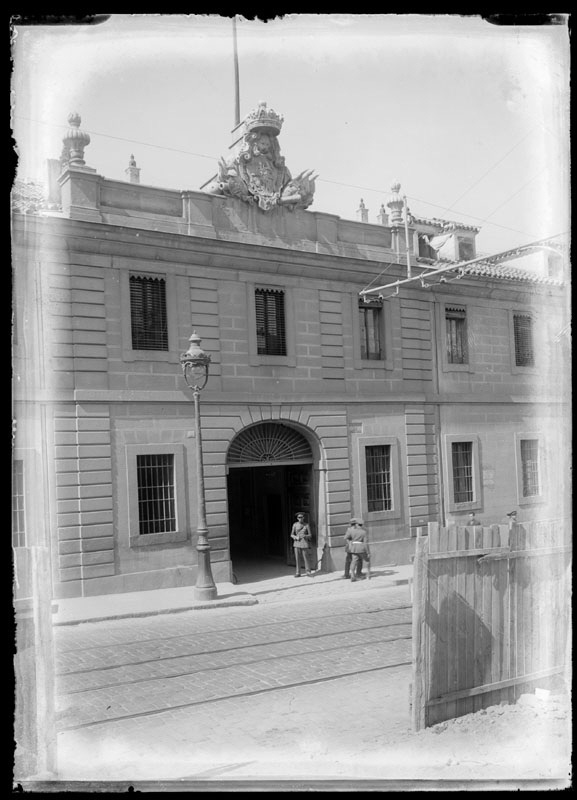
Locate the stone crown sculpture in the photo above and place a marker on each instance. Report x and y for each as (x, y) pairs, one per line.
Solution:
(256, 172)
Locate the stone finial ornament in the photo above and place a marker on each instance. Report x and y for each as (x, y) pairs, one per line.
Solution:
(395, 204)
(74, 142)
(382, 217)
(132, 171)
(256, 172)
(362, 212)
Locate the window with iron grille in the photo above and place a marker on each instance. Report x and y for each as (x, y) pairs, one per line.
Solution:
(530, 467)
(523, 334)
(462, 457)
(156, 496)
(371, 331)
(456, 328)
(18, 517)
(148, 313)
(379, 489)
(270, 322)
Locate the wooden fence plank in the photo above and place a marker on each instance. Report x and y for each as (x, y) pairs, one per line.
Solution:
(452, 538)
(470, 569)
(478, 623)
(420, 666)
(497, 614)
(441, 666)
(487, 568)
(433, 528)
(478, 536)
(462, 618)
(555, 575)
(452, 613)
(528, 633)
(503, 536)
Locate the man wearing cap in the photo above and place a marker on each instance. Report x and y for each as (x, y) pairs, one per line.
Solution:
(356, 542)
(302, 540)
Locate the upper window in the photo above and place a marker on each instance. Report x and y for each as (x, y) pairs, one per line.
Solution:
(530, 467)
(18, 518)
(466, 250)
(148, 313)
(523, 336)
(456, 330)
(371, 326)
(379, 485)
(270, 322)
(425, 249)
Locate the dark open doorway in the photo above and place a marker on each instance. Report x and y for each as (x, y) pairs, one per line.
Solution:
(262, 506)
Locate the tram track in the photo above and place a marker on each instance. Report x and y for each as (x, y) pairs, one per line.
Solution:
(213, 669)
(230, 649)
(236, 695)
(218, 631)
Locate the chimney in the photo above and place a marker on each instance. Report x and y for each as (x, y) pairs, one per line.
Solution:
(362, 212)
(133, 171)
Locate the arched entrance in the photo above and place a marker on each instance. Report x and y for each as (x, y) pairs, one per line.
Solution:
(270, 480)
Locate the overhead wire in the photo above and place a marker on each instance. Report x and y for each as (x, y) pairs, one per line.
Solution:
(504, 203)
(492, 167)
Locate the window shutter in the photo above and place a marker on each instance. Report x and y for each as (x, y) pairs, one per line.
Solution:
(148, 313)
(456, 328)
(530, 466)
(371, 326)
(270, 322)
(523, 333)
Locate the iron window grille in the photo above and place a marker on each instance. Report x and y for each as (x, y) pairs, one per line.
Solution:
(530, 467)
(156, 498)
(371, 331)
(456, 328)
(270, 322)
(462, 456)
(18, 514)
(379, 487)
(148, 313)
(523, 335)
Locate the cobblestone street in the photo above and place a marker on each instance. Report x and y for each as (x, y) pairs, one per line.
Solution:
(185, 694)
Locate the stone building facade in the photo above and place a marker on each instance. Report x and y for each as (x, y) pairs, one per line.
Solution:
(443, 397)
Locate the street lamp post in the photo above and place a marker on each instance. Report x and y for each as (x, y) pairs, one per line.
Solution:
(195, 364)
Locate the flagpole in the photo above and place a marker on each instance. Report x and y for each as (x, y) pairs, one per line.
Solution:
(236, 79)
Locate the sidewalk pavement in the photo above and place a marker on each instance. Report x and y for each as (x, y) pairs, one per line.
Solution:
(76, 610)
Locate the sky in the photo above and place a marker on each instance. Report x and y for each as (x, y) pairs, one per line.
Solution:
(471, 118)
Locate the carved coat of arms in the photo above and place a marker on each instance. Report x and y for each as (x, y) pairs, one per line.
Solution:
(257, 173)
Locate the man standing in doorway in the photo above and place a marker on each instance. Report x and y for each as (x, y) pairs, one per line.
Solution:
(302, 540)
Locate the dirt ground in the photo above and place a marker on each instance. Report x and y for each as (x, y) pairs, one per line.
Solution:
(525, 741)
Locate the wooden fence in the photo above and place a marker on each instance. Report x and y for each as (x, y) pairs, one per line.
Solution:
(491, 615)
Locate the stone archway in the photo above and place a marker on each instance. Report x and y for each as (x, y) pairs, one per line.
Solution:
(270, 479)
